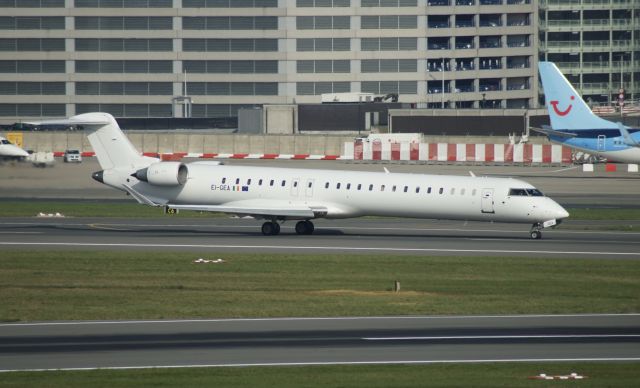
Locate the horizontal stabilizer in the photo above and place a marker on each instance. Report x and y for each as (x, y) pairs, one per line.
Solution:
(95, 120)
(552, 132)
(294, 212)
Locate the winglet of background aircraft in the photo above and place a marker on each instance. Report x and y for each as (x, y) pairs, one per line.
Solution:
(628, 140)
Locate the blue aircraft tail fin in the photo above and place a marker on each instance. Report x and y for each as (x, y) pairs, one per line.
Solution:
(566, 108)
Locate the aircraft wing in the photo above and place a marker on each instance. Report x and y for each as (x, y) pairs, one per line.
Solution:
(293, 212)
(552, 132)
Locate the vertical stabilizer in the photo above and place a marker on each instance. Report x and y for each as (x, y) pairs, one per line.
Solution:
(566, 108)
(113, 149)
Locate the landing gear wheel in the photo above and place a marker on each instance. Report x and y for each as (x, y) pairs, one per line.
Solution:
(304, 227)
(270, 228)
(536, 234)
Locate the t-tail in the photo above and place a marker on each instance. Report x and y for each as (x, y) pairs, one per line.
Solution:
(112, 148)
(567, 110)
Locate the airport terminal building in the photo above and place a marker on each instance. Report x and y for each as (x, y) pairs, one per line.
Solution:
(145, 58)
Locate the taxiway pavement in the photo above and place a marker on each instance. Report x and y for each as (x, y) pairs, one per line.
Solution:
(305, 341)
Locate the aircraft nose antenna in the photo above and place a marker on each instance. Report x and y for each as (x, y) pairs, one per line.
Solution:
(98, 176)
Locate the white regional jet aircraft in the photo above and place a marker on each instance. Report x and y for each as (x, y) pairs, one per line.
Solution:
(10, 151)
(282, 194)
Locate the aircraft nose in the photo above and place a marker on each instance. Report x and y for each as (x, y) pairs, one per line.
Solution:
(560, 213)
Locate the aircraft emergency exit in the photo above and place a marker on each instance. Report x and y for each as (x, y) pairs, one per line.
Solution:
(283, 194)
(574, 125)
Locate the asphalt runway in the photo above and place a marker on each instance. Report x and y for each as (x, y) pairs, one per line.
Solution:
(309, 341)
(366, 235)
(298, 341)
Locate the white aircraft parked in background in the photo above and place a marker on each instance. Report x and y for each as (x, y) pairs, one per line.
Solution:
(283, 194)
(10, 151)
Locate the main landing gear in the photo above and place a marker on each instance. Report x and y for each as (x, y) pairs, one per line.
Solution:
(272, 228)
(304, 227)
(536, 232)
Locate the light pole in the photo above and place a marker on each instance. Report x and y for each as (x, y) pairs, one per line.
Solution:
(442, 82)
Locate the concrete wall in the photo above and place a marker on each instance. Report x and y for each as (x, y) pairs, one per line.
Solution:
(199, 143)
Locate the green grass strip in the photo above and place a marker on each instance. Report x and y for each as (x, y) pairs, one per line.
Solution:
(72, 285)
(372, 376)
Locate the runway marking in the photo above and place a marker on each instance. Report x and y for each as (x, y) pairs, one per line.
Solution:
(297, 319)
(319, 248)
(407, 362)
(321, 227)
(556, 336)
(106, 227)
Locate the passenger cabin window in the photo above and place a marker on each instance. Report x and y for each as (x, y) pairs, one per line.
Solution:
(429, 190)
(295, 183)
(224, 180)
(441, 190)
(381, 187)
(474, 192)
(271, 183)
(326, 185)
(453, 191)
(417, 190)
(237, 181)
(310, 184)
(348, 186)
(260, 182)
(359, 186)
(248, 181)
(406, 188)
(283, 183)
(462, 192)
(393, 189)
(338, 186)
(370, 187)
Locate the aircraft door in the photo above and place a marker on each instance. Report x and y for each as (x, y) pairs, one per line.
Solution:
(294, 187)
(486, 203)
(601, 142)
(309, 188)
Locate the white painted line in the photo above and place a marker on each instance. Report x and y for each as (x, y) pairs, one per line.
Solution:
(298, 319)
(407, 362)
(319, 248)
(565, 336)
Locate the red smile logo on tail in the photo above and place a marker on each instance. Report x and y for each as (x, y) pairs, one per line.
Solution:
(559, 112)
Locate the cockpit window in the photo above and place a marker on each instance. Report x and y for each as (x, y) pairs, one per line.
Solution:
(525, 193)
(4, 141)
(535, 193)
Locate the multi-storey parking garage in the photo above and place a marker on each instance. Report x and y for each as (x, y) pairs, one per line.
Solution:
(133, 57)
(596, 43)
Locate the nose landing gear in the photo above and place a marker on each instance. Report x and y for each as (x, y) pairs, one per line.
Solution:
(536, 232)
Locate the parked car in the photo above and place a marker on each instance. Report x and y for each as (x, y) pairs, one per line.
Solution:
(72, 156)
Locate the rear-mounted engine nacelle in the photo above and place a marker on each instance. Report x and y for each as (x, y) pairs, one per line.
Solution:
(164, 174)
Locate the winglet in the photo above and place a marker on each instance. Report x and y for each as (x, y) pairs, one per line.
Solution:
(628, 140)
